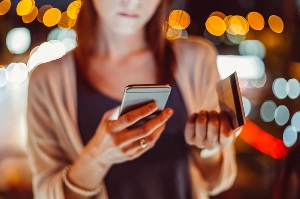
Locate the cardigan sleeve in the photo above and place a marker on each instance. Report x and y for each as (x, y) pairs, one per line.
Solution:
(197, 76)
(45, 155)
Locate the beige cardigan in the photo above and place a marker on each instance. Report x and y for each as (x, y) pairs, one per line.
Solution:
(53, 136)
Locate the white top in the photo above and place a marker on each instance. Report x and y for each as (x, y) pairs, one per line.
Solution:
(53, 135)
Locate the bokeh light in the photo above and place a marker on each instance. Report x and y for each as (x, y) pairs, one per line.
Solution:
(51, 17)
(247, 67)
(267, 111)
(18, 40)
(73, 9)
(31, 16)
(276, 23)
(46, 52)
(256, 20)
(2, 77)
(259, 83)
(4, 6)
(65, 21)
(295, 121)
(179, 19)
(42, 11)
(247, 106)
(24, 7)
(279, 88)
(252, 47)
(289, 136)
(237, 25)
(293, 89)
(171, 33)
(282, 115)
(215, 25)
(16, 73)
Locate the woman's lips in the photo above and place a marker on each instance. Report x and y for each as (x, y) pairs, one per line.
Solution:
(129, 15)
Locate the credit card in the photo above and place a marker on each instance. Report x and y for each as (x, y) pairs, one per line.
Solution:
(230, 99)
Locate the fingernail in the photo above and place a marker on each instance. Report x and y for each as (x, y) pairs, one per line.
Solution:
(170, 112)
(152, 106)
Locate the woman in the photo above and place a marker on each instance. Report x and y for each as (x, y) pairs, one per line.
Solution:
(79, 149)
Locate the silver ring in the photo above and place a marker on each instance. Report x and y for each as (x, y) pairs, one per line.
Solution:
(143, 143)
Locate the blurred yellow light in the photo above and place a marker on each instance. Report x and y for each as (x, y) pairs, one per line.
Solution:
(42, 11)
(276, 23)
(215, 25)
(238, 25)
(65, 21)
(73, 9)
(31, 16)
(256, 20)
(179, 19)
(4, 6)
(171, 33)
(1, 66)
(218, 14)
(24, 7)
(51, 17)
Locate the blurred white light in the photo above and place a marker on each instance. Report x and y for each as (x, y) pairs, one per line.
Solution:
(279, 88)
(252, 47)
(235, 39)
(293, 88)
(46, 52)
(69, 43)
(258, 83)
(18, 40)
(282, 115)
(247, 106)
(16, 73)
(295, 122)
(247, 67)
(289, 136)
(53, 34)
(67, 33)
(267, 111)
(3, 79)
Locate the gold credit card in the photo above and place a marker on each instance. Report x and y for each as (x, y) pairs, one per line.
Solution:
(230, 99)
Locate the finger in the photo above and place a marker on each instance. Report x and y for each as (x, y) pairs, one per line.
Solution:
(201, 127)
(189, 131)
(132, 117)
(213, 129)
(226, 132)
(133, 147)
(146, 129)
(225, 127)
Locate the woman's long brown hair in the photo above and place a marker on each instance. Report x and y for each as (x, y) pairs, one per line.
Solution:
(86, 28)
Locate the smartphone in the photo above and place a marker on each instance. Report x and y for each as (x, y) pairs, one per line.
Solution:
(230, 99)
(137, 95)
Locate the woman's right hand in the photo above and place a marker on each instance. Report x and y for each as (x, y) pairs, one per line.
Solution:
(114, 143)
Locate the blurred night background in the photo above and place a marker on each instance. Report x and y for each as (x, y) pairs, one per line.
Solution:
(257, 38)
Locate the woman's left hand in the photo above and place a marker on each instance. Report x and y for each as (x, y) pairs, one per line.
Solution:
(209, 130)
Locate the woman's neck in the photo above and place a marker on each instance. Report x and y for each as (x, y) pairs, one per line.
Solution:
(116, 47)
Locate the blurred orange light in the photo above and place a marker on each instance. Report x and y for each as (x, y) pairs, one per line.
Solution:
(73, 9)
(238, 25)
(31, 16)
(262, 140)
(24, 7)
(276, 23)
(65, 21)
(4, 6)
(215, 25)
(179, 19)
(51, 17)
(218, 14)
(42, 11)
(256, 20)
